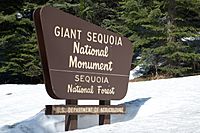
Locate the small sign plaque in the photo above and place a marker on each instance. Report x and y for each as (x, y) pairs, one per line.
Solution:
(84, 109)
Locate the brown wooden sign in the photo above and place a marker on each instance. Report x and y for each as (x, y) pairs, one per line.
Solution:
(81, 60)
(84, 109)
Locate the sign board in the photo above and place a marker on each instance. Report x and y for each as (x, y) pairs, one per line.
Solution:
(81, 60)
(84, 109)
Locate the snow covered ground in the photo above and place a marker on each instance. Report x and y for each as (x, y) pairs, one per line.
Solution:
(168, 105)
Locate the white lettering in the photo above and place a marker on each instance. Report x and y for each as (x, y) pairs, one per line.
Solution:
(89, 37)
(67, 32)
(57, 31)
(107, 91)
(75, 63)
(88, 50)
(94, 37)
(103, 38)
(79, 89)
(91, 79)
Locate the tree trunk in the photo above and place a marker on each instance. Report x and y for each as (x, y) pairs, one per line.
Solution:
(171, 17)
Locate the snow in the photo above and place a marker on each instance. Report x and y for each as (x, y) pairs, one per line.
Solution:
(138, 71)
(167, 105)
(185, 39)
(19, 101)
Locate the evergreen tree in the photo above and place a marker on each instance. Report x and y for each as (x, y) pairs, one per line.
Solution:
(165, 33)
(94, 11)
(19, 62)
(157, 27)
(19, 58)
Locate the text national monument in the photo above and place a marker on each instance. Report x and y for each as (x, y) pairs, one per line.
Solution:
(81, 61)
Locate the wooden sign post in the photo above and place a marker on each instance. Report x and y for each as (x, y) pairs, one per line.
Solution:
(104, 119)
(71, 121)
(81, 61)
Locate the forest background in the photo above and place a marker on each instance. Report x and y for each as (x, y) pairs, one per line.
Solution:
(165, 34)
